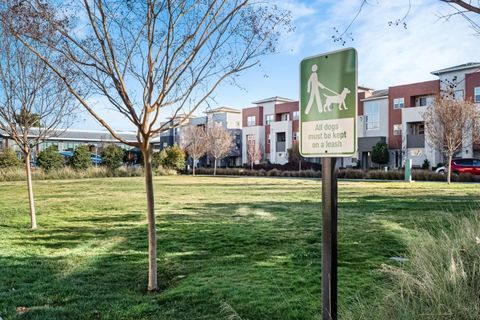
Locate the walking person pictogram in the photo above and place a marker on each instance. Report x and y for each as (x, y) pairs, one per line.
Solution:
(313, 87)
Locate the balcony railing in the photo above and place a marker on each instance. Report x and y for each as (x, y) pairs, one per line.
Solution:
(415, 141)
(280, 146)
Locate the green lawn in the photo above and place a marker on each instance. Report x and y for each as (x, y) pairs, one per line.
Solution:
(226, 245)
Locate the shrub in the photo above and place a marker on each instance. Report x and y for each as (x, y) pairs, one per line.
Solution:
(82, 158)
(274, 173)
(8, 159)
(49, 159)
(170, 158)
(380, 154)
(17, 174)
(161, 171)
(441, 278)
(426, 164)
(427, 175)
(351, 174)
(112, 157)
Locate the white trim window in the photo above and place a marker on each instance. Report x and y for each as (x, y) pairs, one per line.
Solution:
(397, 129)
(476, 95)
(372, 116)
(251, 121)
(459, 95)
(423, 101)
(295, 136)
(398, 103)
(269, 138)
(296, 115)
(285, 116)
(268, 119)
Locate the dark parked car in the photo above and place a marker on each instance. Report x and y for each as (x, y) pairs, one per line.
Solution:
(465, 165)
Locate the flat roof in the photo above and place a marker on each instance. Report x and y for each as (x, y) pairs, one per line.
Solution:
(85, 135)
(223, 109)
(276, 98)
(468, 65)
(377, 94)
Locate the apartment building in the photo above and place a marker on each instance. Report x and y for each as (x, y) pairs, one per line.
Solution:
(69, 139)
(371, 125)
(227, 117)
(271, 125)
(406, 104)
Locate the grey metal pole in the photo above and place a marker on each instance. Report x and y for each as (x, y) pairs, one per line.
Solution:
(329, 239)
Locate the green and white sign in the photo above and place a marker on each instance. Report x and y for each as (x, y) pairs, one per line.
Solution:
(328, 104)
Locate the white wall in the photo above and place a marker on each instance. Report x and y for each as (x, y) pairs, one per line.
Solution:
(259, 132)
(417, 155)
(275, 127)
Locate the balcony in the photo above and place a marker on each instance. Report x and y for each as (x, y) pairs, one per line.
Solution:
(415, 141)
(280, 146)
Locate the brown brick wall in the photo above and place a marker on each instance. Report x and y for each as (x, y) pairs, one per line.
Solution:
(284, 108)
(253, 111)
(360, 96)
(472, 80)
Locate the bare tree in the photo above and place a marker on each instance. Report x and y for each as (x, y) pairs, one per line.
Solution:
(194, 142)
(468, 10)
(254, 152)
(220, 143)
(149, 59)
(294, 155)
(33, 103)
(451, 125)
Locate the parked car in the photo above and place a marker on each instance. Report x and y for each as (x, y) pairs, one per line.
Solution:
(465, 165)
(96, 159)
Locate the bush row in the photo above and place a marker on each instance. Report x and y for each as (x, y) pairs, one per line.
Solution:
(18, 174)
(418, 175)
(260, 172)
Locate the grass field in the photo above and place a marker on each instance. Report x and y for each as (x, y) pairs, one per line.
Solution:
(227, 246)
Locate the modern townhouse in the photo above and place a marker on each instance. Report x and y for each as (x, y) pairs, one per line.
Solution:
(372, 126)
(227, 117)
(272, 126)
(407, 103)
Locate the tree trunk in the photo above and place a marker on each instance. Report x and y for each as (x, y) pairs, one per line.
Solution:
(31, 200)
(449, 173)
(193, 167)
(251, 165)
(152, 234)
(214, 166)
(299, 165)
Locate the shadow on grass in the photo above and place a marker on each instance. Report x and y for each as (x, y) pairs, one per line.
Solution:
(261, 258)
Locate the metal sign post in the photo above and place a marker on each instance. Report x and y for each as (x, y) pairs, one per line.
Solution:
(329, 239)
(328, 113)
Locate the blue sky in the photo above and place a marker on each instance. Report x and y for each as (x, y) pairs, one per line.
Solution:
(387, 55)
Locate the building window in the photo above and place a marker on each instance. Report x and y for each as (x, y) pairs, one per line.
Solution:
(296, 114)
(459, 95)
(398, 103)
(372, 116)
(397, 129)
(251, 121)
(476, 95)
(285, 116)
(269, 137)
(268, 119)
(423, 101)
(295, 136)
